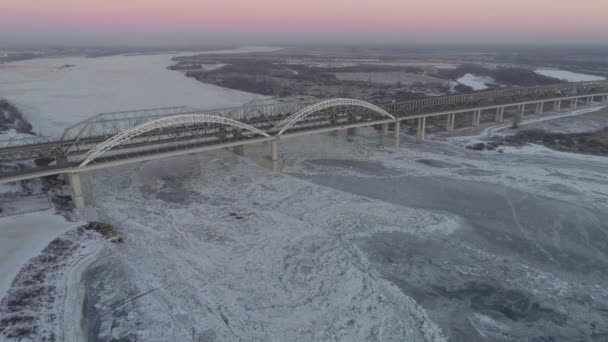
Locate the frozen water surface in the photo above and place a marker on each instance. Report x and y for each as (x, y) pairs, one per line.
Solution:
(53, 98)
(354, 242)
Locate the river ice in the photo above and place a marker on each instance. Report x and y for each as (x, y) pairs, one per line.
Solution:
(53, 98)
(490, 246)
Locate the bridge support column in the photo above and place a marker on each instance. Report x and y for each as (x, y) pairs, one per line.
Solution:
(384, 129)
(271, 154)
(239, 150)
(73, 180)
(476, 118)
(396, 132)
(450, 124)
(420, 133)
(574, 103)
(590, 100)
(500, 114)
(352, 132)
(539, 107)
(558, 105)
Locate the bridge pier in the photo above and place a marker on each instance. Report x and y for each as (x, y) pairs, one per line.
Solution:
(384, 129)
(500, 114)
(539, 107)
(271, 155)
(352, 132)
(239, 150)
(476, 118)
(574, 103)
(558, 105)
(420, 133)
(73, 180)
(396, 132)
(522, 110)
(450, 123)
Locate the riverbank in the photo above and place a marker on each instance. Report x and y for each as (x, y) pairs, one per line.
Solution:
(43, 298)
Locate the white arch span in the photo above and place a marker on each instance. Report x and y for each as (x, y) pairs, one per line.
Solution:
(299, 115)
(164, 122)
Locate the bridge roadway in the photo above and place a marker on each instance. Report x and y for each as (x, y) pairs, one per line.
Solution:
(119, 138)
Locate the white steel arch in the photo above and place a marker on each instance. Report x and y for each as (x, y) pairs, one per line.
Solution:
(160, 123)
(299, 115)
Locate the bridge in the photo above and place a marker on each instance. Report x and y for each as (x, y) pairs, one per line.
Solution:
(112, 139)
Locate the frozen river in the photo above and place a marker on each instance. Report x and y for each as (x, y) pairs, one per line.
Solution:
(53, 97)
(351, 242)
(355, 242)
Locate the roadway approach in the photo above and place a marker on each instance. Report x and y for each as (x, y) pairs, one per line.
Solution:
(112, 139)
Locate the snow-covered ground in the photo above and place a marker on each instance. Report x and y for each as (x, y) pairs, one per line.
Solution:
(568, 75)
(53, 99)
(23, 237)
(475, 82)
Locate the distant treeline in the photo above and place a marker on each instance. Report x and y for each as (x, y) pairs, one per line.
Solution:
(12, 118)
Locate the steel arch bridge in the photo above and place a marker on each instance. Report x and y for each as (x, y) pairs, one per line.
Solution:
(178, 120)
(189, 120)
(288, 122)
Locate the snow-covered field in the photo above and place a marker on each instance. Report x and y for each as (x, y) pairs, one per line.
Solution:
(569, 75)
(475, 82)
(53, 98)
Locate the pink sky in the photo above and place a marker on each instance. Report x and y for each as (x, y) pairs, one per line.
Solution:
(410, 19)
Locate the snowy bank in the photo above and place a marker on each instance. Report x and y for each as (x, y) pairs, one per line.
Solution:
(475, 82)
(568, 75)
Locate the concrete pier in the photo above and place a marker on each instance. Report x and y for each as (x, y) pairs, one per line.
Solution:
(500, 114)
(396, 132)
(450, 123)
(384, 129)
(476, 118)
(539, 107)
(271, 155)
(420, 132)
(73, 180)
(352, 132)
(558, 105)
(239, 150)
